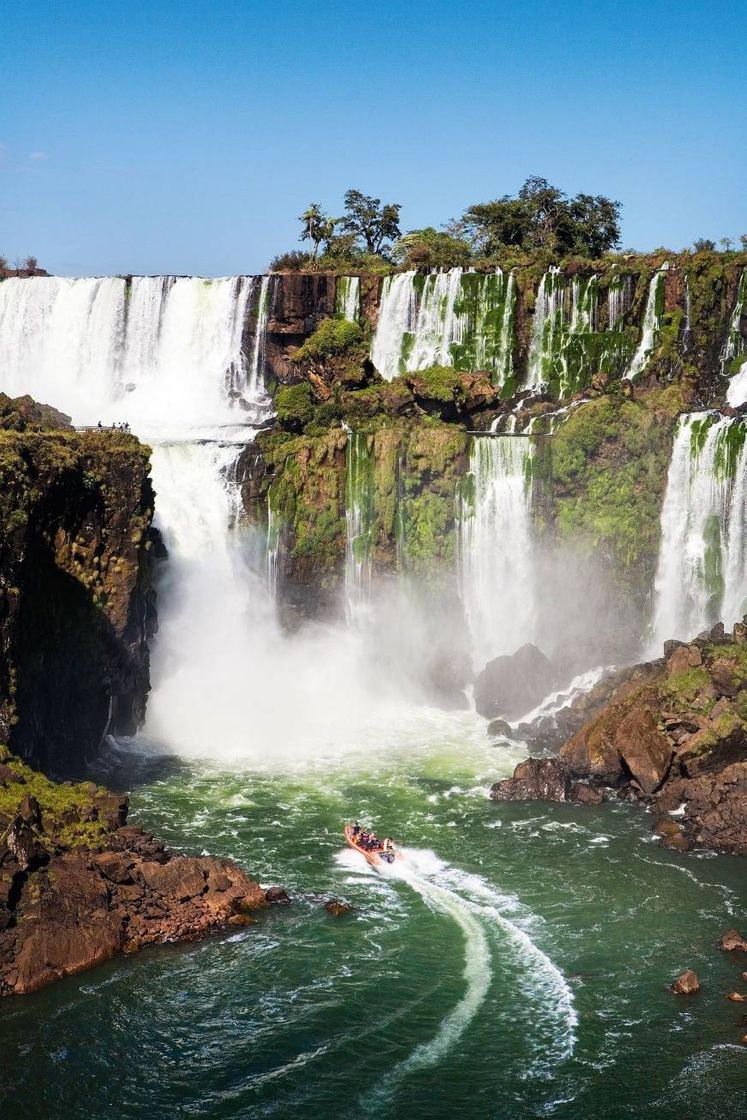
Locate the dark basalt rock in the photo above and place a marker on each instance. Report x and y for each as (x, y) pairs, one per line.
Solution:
(277, 896)
(63, 910)
(337, 908)
(670, 733)
(545, 779)
(510, 686)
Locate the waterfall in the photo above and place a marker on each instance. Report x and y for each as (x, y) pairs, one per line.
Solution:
(359, 490)
(256, 375)
(452, 318)
(496, 554)
(348, 298)
(566, 350)
(651, 323)
(735, 345)
(546, 325)
(618, 301)
(165, 354)
(734, 353)
(160, 353)
(701, 576)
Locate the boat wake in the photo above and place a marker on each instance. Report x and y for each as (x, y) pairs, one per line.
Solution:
(483, 915)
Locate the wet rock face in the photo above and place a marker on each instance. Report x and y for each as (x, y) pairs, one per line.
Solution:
(76, 601)
(510, 686)
(672, 733)
(545, 779)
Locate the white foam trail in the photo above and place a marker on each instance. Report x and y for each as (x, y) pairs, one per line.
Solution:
(477, 974)
(468, 899)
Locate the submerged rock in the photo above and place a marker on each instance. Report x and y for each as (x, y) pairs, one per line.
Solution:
(277, 896)
(336, 907)
(510, 686)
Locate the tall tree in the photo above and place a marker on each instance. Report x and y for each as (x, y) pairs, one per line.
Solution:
(317, 226)
(368, 219)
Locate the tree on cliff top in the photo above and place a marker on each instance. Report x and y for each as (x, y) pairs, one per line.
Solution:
(317, 226)
(431, 248)
(543, 217)
(369, 220)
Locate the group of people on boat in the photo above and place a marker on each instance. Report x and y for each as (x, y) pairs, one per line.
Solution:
(369, 842)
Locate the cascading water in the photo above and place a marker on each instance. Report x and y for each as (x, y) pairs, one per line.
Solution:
(359, 468)
(733, 363)
(159, 355)
(496, 555)
(735, 345)
(651, 322)
(701, 576)
(566, 346)
(453, 318)
(348, 298)
(618, 301)
(546, 325)
(165, 355)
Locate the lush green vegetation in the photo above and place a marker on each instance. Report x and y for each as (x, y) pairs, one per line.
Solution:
(69, 816)
(331, 339)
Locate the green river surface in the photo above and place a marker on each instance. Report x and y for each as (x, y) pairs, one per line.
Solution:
(515, 965)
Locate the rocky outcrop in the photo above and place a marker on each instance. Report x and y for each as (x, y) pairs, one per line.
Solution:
(543, 779)
(687, 983)
(510, 686)
(78, 885)
(76, 600)
(673, 734)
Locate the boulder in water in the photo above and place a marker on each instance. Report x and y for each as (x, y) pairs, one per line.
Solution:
(277, 896)
(731, 941)
(510, 686)
(499, 727)
(687, 983)
(540, 779)
(336, 907)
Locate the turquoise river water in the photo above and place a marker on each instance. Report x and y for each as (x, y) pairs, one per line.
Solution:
(515, 966)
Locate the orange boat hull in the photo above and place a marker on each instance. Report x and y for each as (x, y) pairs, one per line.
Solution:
(374, 858)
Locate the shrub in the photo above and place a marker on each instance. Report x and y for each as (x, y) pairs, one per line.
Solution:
(331, 339)
(294, 405)
(293, 261)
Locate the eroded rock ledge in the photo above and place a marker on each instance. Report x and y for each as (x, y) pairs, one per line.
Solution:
(671, 733)
(78, 884)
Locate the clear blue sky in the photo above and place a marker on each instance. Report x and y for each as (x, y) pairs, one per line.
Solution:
(187, 137)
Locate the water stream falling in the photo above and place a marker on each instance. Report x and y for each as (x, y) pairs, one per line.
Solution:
(348, 298)
(454, 318)
(651, 322)
(701, 577)
(496, 555)
(359, 484)
(567, 346)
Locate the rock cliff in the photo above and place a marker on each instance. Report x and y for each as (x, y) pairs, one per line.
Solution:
(76, 601)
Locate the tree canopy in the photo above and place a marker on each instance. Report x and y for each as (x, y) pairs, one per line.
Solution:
(373, 223)
(543, 217)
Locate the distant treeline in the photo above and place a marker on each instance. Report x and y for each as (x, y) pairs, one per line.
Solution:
(541, 221)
